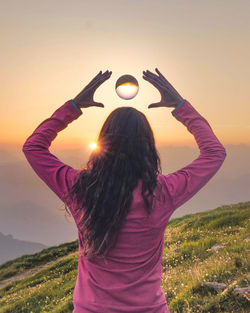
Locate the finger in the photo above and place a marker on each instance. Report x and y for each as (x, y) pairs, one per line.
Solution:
(154, 105)
(92, 104)
(153, 76)
(160, 74)
(151, 81)
(103, 76)
(98, 82)
(100, 75)
(154, 82)
(166, 81)
(98, 104)
(147, 72)
(105, 73)
(94, 79)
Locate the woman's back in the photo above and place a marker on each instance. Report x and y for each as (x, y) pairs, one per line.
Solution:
(129, 279)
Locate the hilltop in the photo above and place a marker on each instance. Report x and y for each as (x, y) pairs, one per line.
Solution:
(205, 266)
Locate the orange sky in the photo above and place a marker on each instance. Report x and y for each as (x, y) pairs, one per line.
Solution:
(51, 49)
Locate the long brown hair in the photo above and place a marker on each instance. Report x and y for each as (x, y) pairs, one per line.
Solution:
(126, 152)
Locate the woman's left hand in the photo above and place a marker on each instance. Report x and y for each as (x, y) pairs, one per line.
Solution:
(85, 98)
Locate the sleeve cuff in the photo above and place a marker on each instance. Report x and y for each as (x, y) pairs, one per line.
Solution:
(177, 107)
(76, 106)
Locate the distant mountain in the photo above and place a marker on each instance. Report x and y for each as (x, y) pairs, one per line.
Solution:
(25, 197)
(12, 248)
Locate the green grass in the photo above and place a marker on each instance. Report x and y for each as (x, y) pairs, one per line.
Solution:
(187, 264)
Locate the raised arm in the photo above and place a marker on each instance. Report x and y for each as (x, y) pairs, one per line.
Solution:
(183, 184)
(186, 182)
(59, 176)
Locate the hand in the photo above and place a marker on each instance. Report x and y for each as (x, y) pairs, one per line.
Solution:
(85, 98)
(169, 96)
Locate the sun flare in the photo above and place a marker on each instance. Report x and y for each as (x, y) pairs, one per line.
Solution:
(93, 145)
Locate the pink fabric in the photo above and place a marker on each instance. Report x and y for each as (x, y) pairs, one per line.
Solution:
(130, 280)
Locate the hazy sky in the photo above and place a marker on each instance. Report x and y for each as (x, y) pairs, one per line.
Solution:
(50, 50)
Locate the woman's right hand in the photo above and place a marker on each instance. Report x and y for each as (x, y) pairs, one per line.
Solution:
(169, 96)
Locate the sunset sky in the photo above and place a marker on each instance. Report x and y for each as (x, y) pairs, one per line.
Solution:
(50, 50)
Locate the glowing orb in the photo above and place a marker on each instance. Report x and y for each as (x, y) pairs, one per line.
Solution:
(127, 87)
(93, 145)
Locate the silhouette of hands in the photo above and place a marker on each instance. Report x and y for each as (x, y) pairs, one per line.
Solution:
(169, 95)
(85, 98)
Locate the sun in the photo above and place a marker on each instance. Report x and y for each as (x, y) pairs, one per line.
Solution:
(93, 145)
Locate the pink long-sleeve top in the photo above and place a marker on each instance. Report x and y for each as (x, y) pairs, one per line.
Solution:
(130, 279)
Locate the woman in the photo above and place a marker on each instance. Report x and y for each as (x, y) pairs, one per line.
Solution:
(120, 202)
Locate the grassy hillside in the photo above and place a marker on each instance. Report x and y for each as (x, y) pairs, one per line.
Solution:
(190, 259)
